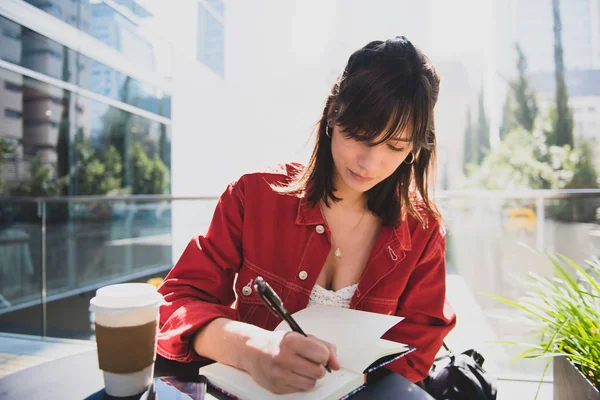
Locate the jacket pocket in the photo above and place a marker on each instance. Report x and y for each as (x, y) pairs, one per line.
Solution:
(250, 308)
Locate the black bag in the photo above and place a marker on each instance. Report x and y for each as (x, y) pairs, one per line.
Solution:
(460, 377)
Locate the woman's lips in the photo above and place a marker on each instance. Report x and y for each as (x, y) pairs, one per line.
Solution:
(359, 178)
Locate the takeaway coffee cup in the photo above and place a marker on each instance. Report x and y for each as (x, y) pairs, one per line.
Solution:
(126, 318)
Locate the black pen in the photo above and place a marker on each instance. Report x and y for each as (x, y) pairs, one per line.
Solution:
(274, 303)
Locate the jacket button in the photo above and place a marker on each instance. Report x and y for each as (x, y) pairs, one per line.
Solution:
(320, 229)
(246, 290)
(302, 275)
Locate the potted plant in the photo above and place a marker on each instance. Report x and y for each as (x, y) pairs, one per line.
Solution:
(564, 313)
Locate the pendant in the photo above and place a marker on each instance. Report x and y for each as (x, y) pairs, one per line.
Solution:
(337, 252)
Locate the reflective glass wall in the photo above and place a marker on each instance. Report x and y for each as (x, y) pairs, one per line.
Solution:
(211, 35)
(72, 125)
(76, 122)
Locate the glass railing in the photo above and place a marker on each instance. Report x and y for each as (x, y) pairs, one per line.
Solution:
(54, 253)
(494, 240)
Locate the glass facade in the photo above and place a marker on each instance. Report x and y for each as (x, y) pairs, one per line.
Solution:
(28, 49)
(211, 36)
(112, 83)
(81, 124)
(73, 125)
(217, 6)
(119, 24)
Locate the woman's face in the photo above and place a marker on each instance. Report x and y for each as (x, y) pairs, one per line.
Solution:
(359, 166)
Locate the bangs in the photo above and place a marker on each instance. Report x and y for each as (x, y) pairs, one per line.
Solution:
(376, 110)
(387, 92)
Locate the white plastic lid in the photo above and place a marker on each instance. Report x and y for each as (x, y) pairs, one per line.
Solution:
(116, 298)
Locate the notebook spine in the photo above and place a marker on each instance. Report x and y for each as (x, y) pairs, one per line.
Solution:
(226, 393)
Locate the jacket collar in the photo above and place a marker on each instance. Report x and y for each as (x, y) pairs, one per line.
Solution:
(307, 214)
(311, 215)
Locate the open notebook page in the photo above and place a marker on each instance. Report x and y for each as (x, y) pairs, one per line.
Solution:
(334, 385)
(356, 334)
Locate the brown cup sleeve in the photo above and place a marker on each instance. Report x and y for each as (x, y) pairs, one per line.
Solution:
(126, 349)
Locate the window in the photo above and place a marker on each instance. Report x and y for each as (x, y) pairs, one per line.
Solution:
(121, 32)
(34, 99)
(42, 52)
(12, 114)
(108, 82)
(40, 122)
(50, 8)
(211, 41)
(42, 146)
(11, 87)
(217, 6)
(11, 34)
(135, 8)
(37, 52)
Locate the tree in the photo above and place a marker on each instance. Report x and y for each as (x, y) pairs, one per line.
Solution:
(164, 145)
(527, 160)
(524, 161)
(5, 148)
(117, 124)
(585, 177)
(150, 176)
(469, 150)
(563, 127)
(160, 176)
(527, 110)
(482, 138)
(94, 174)
(42, 181)
(112, 180)
(508, 114)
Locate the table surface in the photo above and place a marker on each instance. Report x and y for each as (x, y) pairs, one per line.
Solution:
(77, 377)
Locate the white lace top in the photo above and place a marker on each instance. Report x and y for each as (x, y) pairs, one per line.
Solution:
(339, 298)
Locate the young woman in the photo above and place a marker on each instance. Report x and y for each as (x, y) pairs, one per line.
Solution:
(354, 228)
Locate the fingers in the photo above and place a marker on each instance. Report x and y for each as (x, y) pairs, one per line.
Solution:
(291, 374)
(310, 348)
(332, 361)
(306, 368)
(299, 382)
(298, 364)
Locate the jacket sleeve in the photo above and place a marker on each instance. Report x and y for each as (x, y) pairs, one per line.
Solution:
(428, 315)
(199, 288)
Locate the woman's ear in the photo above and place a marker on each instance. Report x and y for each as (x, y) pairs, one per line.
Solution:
(332, 114)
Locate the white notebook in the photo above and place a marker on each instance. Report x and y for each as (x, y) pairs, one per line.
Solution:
(360, 349)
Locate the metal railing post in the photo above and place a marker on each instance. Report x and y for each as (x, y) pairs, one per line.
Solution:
(42, 210)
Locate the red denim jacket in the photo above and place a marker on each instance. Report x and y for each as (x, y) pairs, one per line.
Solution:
(256, 231)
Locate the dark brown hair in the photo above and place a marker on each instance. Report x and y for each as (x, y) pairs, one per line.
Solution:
(385, 88)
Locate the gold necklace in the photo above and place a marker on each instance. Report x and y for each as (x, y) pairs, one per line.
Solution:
(338, 252)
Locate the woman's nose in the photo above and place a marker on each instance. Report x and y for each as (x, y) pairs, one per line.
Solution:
(367, 158)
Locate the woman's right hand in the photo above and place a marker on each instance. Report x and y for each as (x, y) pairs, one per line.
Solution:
(287, 362)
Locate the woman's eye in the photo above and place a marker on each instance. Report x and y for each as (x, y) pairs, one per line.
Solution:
(349, 134)
(397, 149)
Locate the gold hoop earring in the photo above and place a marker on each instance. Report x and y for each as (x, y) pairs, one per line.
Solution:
(412, 160)
(327, 131)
